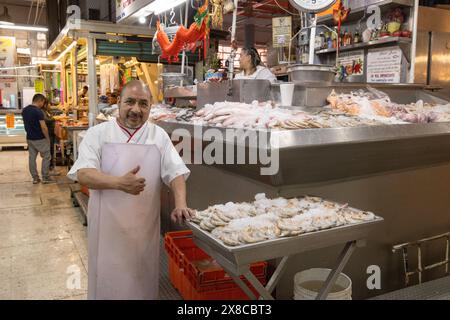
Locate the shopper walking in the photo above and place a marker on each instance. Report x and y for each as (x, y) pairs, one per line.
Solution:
(37, 138)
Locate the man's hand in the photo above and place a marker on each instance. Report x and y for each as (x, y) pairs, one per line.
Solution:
(131, 183)
(182, 213)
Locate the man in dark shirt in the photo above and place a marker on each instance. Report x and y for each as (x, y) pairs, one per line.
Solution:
(37, 138)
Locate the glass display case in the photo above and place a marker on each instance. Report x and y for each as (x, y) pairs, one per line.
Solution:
(15, 136)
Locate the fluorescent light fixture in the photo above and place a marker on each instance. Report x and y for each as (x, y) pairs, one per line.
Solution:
(46, 62)
(62, 54)
(159, 6)
(17, 67)
(142, 20)
(25, 28)
(6, 23)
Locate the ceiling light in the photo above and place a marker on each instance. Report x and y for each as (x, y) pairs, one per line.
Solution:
(46, 62)
(142, 20)
(159, 6)
(25, 28)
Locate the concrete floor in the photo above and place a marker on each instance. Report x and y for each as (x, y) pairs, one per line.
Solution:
(42, 240)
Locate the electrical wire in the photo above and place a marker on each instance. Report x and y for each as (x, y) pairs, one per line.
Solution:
(293, 14)
(40, 12)
(36, 11)
(29, 11)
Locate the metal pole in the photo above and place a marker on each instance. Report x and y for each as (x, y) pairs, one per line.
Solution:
(92, 80)
(312, 39)
(414, 42)
(185, 24)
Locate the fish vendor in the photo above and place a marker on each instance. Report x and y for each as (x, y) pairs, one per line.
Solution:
(123, 163)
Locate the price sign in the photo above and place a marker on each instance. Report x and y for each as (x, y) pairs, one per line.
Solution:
(281, 31)
(384, 65)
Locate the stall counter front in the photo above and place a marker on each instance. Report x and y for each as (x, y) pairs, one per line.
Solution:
(400, 172)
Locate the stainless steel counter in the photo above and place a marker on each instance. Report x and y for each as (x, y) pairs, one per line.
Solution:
(400, 172)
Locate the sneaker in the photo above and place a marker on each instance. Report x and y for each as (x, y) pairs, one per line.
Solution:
(36, 180)
(48, 181)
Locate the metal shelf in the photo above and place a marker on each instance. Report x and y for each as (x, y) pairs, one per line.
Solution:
(372, 43)
(358, 11)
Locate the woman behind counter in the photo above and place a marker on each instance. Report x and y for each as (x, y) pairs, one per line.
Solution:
(250, 63)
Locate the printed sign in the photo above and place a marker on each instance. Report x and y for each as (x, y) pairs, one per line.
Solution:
(384, 65)
(125, 8)
(352, 61)
(281, 31)
(39, 86)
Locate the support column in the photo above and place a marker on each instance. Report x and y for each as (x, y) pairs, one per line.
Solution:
(249, 34)
(92, 80)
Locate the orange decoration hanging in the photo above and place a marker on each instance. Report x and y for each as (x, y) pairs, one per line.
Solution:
(184, 38)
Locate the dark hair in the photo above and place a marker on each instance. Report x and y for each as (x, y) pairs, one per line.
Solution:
(38, 97)
(254, 55)
(86, 87)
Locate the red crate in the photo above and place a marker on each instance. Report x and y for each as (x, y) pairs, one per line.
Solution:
(197, 276)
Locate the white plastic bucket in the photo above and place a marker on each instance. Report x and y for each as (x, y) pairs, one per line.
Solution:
(308, 283)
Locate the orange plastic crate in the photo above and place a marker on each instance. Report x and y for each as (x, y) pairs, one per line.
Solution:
(197, 276)
(84, 190)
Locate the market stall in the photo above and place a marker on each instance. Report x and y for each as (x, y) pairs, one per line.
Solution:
(382, 147)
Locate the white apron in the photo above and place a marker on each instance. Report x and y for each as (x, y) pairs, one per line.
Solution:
(124, 229)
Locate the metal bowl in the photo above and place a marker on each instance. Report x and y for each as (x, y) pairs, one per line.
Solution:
(173, 79)
(311, 73)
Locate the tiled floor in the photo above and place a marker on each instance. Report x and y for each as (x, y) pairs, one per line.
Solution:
(43, 243)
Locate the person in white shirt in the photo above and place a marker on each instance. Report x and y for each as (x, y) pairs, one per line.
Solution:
(250, 63)
(123, 162)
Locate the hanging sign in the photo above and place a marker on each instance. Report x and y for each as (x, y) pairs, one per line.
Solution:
(384, 65)
(281, 31)
(126, 8)
(39, 86)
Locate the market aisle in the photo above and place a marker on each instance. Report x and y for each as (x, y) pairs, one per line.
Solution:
(41, 237)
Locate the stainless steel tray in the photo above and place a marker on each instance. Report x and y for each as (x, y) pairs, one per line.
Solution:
(270, 249)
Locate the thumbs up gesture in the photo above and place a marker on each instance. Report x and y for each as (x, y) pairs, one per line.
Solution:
(131, 183)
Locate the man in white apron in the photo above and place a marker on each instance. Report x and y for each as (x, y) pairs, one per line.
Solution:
(123, 162)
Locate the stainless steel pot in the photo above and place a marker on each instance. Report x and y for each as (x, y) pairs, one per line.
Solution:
(310, 73)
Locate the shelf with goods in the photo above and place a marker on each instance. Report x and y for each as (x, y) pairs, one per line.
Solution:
(358, 8)
(372, 43)
(393, 31)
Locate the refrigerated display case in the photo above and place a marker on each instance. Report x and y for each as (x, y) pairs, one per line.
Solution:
(12, 137)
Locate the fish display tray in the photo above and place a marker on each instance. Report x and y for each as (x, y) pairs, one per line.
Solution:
(275, 248)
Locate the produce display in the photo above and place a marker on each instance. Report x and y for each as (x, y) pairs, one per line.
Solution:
(264, 219)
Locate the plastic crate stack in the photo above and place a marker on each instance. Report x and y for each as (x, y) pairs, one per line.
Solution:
(197, 277)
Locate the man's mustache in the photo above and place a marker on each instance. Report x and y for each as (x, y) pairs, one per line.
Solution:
(134, 114)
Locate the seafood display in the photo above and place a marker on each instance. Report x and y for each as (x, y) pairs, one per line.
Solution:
(375, 105)
(264, 219)
(266, 116)
(356, 109)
